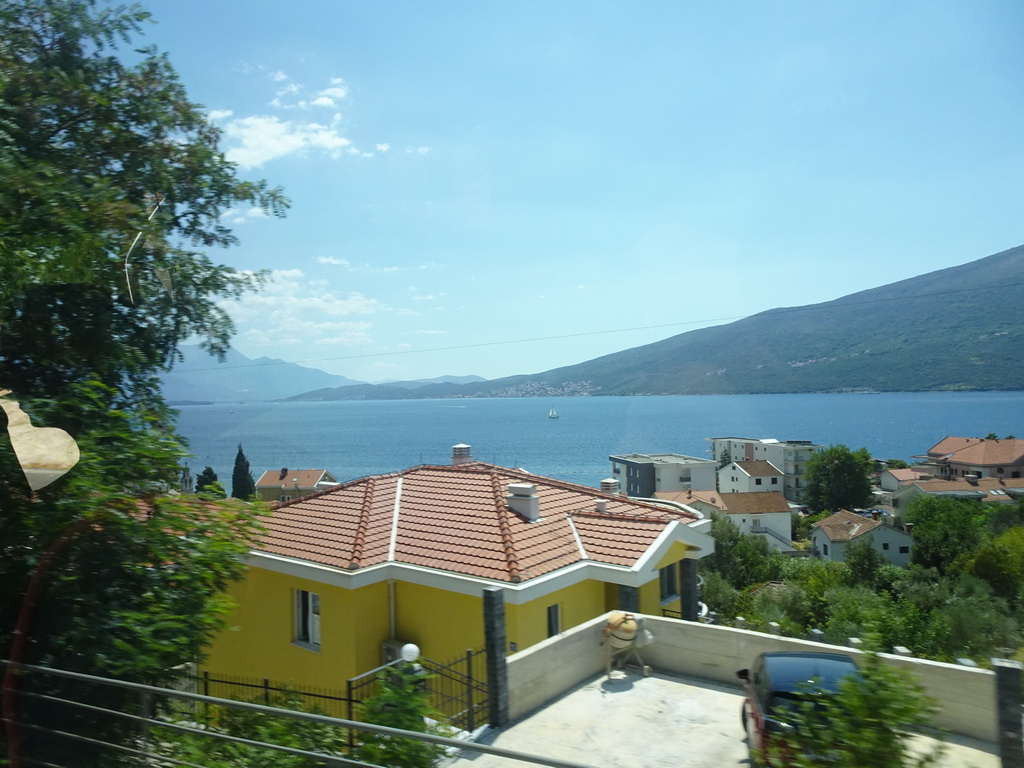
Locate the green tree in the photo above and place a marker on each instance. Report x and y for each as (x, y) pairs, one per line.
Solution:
(242, 484)
(838, 478)
(867, 724)
(741, 559)
(402, 702)
(897, 464)
(864, 562)
(1000, 563)
(945, 529)
(207, 483)
(256, 726)
(113, 182)
(93, 152)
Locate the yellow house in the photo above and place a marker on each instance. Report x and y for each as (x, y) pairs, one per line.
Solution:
(345, 576)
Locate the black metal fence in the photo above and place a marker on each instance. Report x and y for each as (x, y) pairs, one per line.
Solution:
(458, 689)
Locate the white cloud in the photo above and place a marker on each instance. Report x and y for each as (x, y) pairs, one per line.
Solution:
(278, 76)
(219, 114)
(429, 332)
(427, 296)
(383, 147)
(350, 267)
(322, 101)
(261, 138)
(333, 260)
(243, 216)
(293, 309)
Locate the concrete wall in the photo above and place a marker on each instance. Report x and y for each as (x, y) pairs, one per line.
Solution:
(966, 695)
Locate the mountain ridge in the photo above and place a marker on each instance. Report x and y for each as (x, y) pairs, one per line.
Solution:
(951, 329)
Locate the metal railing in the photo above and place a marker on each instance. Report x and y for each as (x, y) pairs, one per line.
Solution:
(152, 714)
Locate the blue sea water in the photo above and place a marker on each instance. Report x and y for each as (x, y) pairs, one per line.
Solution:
(357, 438)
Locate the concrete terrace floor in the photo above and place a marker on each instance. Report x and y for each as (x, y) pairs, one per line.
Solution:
(662, 721)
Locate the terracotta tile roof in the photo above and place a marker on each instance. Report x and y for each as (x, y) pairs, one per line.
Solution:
(714, 498)
(456, 519)
(845, 525)
(759, 468)
(985, 488)
(303, 478)
(950, 444)
(757, 503)
(990, 453)
(906, 475)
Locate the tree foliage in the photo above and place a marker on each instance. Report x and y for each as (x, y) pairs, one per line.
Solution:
(256, 726)
(113, 180)
(242, 484)
(89, 145)
(402, 702)
(838, 478)
(945, 529)
(207, 483)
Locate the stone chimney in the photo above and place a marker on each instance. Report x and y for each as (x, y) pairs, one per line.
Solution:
(461, 454)
(284, 473)
(523, 500)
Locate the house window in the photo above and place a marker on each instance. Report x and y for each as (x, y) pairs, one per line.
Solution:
(554, 619)
(824, 548)
(669, 580)
(775, 481)
(885, 545)
(904, 550)
(307, 618)
(284, 498)
(1015, 474)
(757, 481)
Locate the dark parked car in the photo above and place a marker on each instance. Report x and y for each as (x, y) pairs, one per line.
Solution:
(777, 681)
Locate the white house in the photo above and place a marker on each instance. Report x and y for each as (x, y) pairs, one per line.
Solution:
(790, 456)
(765, 513)
(831, 536)
(749, 477)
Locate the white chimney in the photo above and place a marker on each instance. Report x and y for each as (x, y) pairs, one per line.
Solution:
(461, 454)
(523, 500)
(601, 506)
(610, 485)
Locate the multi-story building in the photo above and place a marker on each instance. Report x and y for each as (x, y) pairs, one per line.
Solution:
(643, 474)
(790, 456)
(953, 458)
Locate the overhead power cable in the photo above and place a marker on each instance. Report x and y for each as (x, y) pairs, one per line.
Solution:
(705, 321)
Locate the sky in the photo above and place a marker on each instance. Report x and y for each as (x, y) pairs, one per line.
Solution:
(499, 187)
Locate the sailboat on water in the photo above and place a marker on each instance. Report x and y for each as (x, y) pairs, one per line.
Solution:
(552, 414)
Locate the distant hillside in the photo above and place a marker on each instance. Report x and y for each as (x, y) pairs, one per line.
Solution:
(201, 378)
(957, 328)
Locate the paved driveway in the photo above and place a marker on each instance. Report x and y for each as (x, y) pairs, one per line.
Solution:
(660, 721)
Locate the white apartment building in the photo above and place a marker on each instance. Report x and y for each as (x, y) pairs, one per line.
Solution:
(750, 477)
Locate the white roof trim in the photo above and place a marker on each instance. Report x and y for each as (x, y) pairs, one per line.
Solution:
(576, 535)
(394, 519)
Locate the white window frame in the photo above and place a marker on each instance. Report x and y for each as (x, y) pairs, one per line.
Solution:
(307, 619)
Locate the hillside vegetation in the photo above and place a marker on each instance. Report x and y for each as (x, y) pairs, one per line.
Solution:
(957, 328)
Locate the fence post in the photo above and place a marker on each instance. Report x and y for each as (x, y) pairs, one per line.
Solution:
(470, 704)
(1008, 716)
(496, 641)
(688, 592)
(206, 692)
(146, 711)
(351, 714)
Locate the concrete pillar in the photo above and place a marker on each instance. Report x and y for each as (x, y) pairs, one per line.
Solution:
(816, 635)
(774, 628)
(741, 622)
(496, 642)
(901, 650)
(1008, 699)
(629, 599)
(856, 643)
(688, 593)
